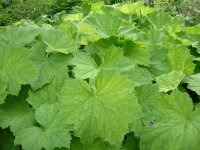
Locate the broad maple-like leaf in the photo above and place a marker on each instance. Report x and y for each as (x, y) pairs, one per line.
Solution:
(106, 24)
(158, 68)
(15, 68)
(169, 81)
(176, 126)
(137, 52)
(52, 133)
(54, 65)
(113, 59)
(159, 20)
(135, 8)
(155, 37)
(96, 113)
(16, 114)
(19, 35)
(58, 42)
(85, 66)
(47, 94)
(139, 76)
(147, 96)
(180, 59)
(193, 35)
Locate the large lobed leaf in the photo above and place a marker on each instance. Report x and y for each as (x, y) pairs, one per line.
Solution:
(52, 132)
(49, 67)
(96, 112)
(176, 127)
(15, 69)
(16, 114)
(86, 66)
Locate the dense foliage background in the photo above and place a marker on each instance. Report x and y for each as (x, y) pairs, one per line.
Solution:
(15, 10)
(99, 75)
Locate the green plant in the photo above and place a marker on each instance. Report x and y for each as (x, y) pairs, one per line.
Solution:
(118, 77)
(189, 9)
(63, 5)
(17, 10)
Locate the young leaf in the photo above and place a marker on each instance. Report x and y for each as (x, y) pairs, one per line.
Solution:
(169, 81)
(85, 66)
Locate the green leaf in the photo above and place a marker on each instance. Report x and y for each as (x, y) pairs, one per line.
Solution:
(192, 30)
(52, 133)
(137, 52)
(147, 96)
(139, 76)
(16, 113)
(97, 113)
(16, 68)
(155, 37)
(97, 7)
(85, 28)
(181, 60)
(193, 35)
(128, 30)
(129, 8)
(193, 82)
(158, 53)
(85, 66)
(96, 145)
(49, 67)
(158, 68)
(73, 17)
(19, 35)
(135, 8)
(100, 47)
(159, 20)
(113, 59)
(106, 24)
(58, 42)
(177, 125)
(47, 94)
(3, 92)
(169, 81)
(171, 31)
